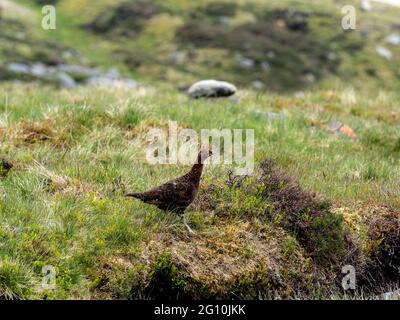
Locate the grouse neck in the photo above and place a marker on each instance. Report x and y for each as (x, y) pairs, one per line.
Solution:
(197, 169)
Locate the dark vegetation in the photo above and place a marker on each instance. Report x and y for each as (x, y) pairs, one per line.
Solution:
(126, 19)
(5, 166)
(384, 248)
(281, 38)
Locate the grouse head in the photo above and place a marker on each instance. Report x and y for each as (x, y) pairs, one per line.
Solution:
(204, 153)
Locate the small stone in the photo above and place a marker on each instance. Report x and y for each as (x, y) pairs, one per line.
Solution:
(258, 85)
(245, 63)
(393, 39)
(65, 80)
(103, 81)
(334, 126)
(211, 88)
(111, 78)
(39, 70)
(20, 68)
(385, 53)
(366, 5)
(113, 73)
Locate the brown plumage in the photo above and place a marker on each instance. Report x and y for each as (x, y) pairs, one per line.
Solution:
(176, 195)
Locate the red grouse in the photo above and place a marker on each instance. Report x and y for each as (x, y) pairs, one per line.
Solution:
(176, 195)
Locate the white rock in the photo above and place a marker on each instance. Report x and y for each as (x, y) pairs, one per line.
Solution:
(18, 68)
(245, 63)
(385, 53)
(211, 88)
(257, 84)
(104, 81)
(113, 73)
(393, 39)
(366, 5)
(65, 80)
(39, 70)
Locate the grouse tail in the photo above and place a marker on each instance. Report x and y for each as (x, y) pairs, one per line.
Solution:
(135, 195)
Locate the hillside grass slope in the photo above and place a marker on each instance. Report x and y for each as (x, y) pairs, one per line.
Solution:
(317, 200)
(76, 152)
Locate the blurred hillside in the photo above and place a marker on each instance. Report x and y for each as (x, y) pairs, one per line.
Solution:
(274, 45)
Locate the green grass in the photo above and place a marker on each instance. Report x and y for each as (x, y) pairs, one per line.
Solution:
(62, 203)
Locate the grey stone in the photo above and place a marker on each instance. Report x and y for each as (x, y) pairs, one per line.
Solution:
(19, 68)
(113, 73)
(385, 53)
(111, 78)
(334, 126)
(39, 70)
(245, 63)
(257, 84)
(65, 80)
(211, 88)
(104, 81)
(393, 39)
(366, 5)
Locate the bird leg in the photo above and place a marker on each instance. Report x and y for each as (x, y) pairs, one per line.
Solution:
(186, 225)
